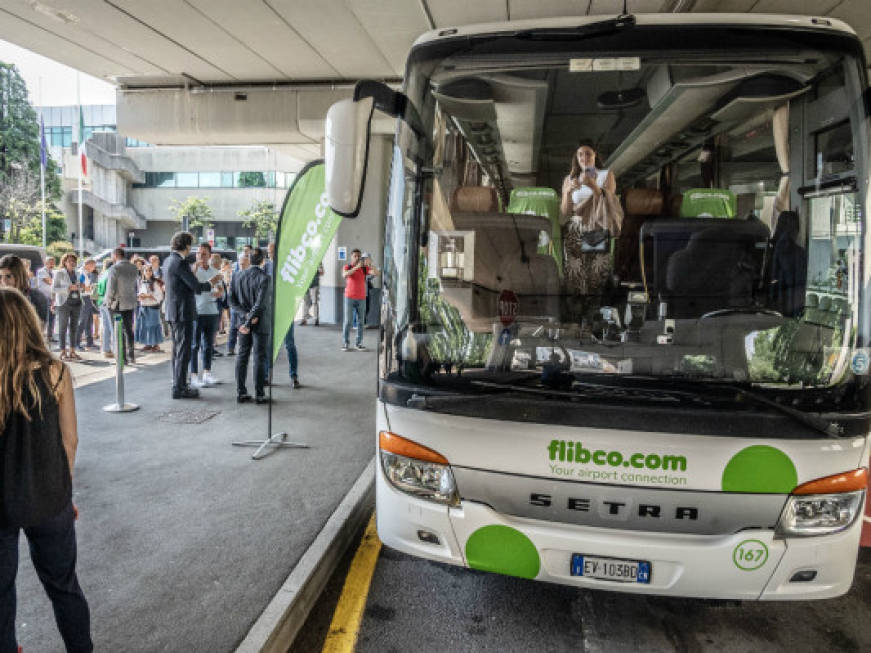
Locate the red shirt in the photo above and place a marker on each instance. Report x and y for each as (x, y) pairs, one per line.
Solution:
(355, 284)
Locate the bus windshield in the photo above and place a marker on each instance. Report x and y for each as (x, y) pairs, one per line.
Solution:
(584, 214)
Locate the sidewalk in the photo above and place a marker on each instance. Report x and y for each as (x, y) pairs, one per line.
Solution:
(183, 539)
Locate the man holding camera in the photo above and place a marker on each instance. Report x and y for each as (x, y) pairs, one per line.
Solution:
(355, 274)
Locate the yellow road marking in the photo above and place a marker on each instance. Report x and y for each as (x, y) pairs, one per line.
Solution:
(342, 636)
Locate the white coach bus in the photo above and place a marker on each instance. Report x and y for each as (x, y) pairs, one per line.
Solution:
(625, 321)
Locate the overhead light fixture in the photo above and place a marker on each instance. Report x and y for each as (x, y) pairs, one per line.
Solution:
(60, 15)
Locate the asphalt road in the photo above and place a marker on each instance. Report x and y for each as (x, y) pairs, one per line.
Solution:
(183, 539)
(417, 605)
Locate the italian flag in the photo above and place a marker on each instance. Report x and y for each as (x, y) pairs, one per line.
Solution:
(82, 151)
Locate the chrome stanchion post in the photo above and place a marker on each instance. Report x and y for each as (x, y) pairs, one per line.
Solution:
(120, 406)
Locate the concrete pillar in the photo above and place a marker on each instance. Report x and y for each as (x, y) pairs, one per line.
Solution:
(365, 232)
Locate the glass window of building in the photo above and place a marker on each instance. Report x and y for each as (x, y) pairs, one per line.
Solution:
(160, 179)
(186, 180)
(226, 180)
(210, 180)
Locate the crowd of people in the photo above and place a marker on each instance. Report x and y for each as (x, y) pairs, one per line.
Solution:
(188, 299)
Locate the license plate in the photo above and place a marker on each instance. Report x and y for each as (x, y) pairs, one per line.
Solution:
(624, 571)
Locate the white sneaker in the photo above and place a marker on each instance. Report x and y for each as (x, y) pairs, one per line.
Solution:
(360, 348)
(209, 380)
(196, 382)
(345, 348)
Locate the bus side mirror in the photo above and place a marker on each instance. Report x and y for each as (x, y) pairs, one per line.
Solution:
(348, 126)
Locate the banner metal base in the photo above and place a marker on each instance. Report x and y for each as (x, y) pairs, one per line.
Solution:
(121, 408)
(273, 442)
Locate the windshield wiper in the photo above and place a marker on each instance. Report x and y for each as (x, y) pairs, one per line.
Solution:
(418, 400)
(581, 31)
(598, 390)
(808, 419)
(747, 310)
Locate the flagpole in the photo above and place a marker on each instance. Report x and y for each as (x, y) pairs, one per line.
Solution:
(42, 161)
(78, 157)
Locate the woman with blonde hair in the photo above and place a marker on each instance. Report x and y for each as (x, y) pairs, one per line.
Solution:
(38, 441)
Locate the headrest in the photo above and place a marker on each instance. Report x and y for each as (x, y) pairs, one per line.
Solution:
(709, 203)
(643, 201)
(475, 199)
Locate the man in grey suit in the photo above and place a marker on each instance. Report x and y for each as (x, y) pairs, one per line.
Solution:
(181, 287)
(120, 297)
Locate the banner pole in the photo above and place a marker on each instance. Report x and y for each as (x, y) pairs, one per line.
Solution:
(276, 440)
(120, 406)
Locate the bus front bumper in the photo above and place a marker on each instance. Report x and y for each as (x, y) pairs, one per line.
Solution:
(701, 566)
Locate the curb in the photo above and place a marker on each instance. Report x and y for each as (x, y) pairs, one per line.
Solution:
(286, 613)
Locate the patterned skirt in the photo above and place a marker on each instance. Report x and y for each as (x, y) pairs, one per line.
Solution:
(587, 273)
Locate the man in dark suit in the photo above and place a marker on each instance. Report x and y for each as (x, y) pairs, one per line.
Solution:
(250, 297)
(181, 286)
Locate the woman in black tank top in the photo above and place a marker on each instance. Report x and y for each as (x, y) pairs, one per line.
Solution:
(38, 442)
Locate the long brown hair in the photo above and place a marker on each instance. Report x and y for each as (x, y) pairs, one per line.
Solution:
(575, 172)
(23, 356)
(16, 267)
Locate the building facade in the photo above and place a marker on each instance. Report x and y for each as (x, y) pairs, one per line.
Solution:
(129, 187)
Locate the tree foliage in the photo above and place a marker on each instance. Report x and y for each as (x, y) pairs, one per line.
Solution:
(252, 180)
(59, 248)
(262, 218)
(197, 210)
(19, 150)
(20, 196)
(451, 345)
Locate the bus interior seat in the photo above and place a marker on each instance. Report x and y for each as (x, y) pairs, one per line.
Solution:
(703, 264)
(505, 258)
(474, 199)
(708, 203)
(640, 205)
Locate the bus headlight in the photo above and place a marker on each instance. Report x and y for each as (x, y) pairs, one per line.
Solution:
(819, 514)
(823, 506)
(425, 480)
(417, 470)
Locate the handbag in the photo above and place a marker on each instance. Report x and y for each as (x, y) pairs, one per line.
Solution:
(595, 240)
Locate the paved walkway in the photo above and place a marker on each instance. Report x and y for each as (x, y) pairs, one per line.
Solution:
(183, 539)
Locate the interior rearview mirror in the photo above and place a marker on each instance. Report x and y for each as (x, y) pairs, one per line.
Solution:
(346, 151)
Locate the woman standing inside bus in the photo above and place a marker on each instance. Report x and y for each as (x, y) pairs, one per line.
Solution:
(592, 217)
(38, 440)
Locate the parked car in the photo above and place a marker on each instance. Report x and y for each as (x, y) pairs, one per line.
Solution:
(34, 254)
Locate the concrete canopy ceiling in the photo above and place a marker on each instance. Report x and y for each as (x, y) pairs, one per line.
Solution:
(170, 42)
(325, 44)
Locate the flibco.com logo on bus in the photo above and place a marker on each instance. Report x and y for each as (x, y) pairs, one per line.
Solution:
(575, 452)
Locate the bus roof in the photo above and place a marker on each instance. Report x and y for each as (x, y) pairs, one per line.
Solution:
(758, 20)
